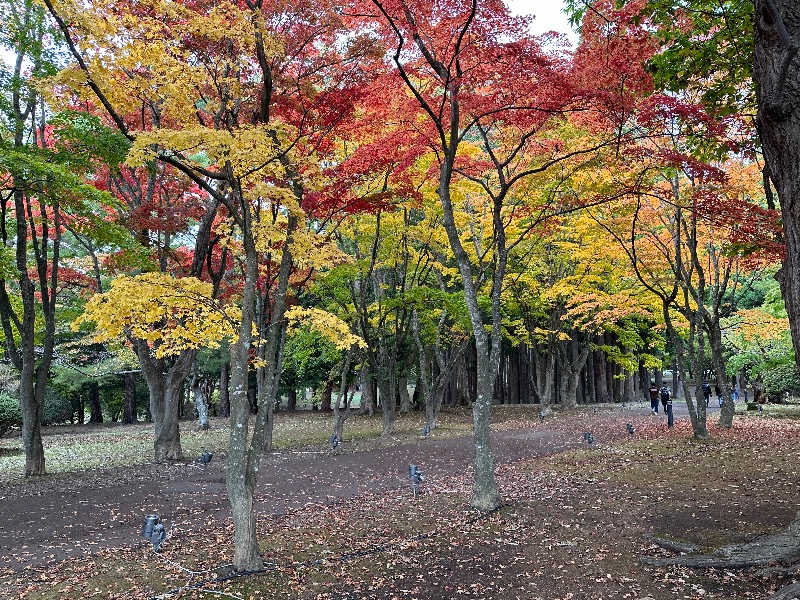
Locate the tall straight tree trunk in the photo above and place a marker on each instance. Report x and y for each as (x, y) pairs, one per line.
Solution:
(367, 384)
(245, 450)
(485, 494)
(600, 370)
(224, 407)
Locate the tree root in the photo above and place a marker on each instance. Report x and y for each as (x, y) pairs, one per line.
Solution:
(790, 592)
(674, 545)
(782, 547)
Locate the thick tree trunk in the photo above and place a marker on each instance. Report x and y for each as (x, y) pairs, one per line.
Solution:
(165, 387)
(600, 379)
(32, 409)
(367, 384)
(387, 398)
(129, 403)
(405, 397)
(95, 410)
(775, 73)
(291, 402)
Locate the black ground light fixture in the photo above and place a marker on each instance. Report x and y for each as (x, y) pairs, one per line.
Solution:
(154, 531)
(416, 477)
(426, 431)
(589, 438)
(541, 416)
(629, 427)
(334, 441)
(205, 458)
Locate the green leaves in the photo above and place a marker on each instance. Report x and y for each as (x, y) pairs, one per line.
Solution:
(86, 141)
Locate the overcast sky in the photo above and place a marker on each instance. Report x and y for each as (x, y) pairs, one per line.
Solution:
(549, 16)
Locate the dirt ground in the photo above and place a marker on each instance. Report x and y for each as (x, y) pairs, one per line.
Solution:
(575, 520)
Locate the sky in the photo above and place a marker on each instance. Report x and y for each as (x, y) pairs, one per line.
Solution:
(549, 16)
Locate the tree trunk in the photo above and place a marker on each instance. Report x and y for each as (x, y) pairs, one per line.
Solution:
(367, 384)
(199, 396)
(387, 398)
(245, 451)
(629, 393)
(600, 379)
(291, 402)
(129, 404)
(165, 387)
(327, 392)
(405, 397)
(718, 360)
(224, 408)
(32, 408)
(485, 494)
(95, 410)
(775, 74)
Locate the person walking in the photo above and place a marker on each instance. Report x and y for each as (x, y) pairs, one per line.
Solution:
(706, 389)
(665, 394)
(653, 397)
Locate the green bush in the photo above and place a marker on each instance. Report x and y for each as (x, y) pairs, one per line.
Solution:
(57, 408)
(10, 416)
(781, 378)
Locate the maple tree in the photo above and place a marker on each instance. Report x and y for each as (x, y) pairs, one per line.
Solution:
(221, 86)
(446, 55)
(738, 56)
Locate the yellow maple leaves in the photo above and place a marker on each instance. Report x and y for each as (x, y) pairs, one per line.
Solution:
(171, 314)
(326, 324)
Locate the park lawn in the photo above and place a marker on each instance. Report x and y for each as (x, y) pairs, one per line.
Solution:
(573, 525)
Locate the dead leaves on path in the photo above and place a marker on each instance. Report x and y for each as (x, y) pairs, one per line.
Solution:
(573, 526)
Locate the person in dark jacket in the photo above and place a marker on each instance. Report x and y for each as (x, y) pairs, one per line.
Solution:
(706, 388)
(653, 397)
(665, 394)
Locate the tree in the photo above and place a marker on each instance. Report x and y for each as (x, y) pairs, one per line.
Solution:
(44, 191)
(776, 35)
(206, 89)
(476, 75)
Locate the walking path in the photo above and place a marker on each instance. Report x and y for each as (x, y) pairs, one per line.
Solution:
(79, 514)
(60, 521)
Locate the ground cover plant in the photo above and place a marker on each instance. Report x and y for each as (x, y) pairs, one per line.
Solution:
(575, 523)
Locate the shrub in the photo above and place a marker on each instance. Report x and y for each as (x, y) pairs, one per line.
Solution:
(781, 378)
(57, 408)
(10, 415)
